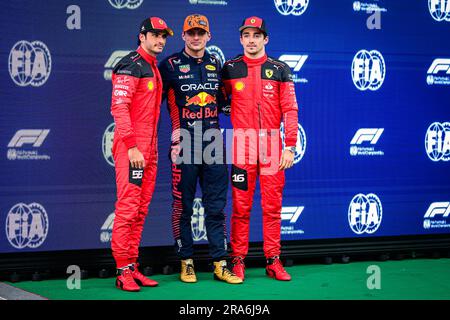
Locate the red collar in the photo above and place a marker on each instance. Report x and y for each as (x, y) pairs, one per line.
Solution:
(255, 62)
(149, 58)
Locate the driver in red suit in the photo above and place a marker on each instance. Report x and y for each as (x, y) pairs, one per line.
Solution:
(136, 99)
(263, 95)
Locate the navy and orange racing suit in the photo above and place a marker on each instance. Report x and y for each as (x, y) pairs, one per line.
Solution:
(195, 97)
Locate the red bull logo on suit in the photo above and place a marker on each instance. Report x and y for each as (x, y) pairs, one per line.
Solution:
(201, 99)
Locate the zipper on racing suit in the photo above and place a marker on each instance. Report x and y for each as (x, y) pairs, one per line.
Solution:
(261, 134)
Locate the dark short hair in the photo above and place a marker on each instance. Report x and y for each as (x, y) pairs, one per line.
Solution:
(144, 33)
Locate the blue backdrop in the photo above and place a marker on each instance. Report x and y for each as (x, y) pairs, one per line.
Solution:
(373, 85)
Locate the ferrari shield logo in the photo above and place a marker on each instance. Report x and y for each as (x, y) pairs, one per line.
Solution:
(269, 73)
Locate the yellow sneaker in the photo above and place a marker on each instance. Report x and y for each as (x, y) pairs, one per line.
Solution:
(222, 273)
(187, 271)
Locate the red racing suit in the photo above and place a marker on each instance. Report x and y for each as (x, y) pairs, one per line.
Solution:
(136, 99)
(263, 95)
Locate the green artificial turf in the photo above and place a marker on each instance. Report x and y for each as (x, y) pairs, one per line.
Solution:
(405, 279)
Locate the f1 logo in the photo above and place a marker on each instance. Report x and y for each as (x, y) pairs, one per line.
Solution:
(439, 65)
(291, 213)
(436, 208)
(28, 136)
(112, 61)
(367, 134)
(294, 61)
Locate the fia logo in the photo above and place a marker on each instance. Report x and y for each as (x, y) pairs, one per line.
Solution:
(368, 70)
(439, 9)
(27, 225)
(107, 143)
(216, 52)
(437, 141)
(198, 221)
(294, 7)
(365, 213)
(30, 63)
(128, 4)
(300, 147)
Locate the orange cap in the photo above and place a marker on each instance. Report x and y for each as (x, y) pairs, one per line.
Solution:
(196, 21)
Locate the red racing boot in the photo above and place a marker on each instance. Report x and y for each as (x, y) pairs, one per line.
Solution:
(239, 267)
(274, 269)
(139, 278)
(125, 280)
